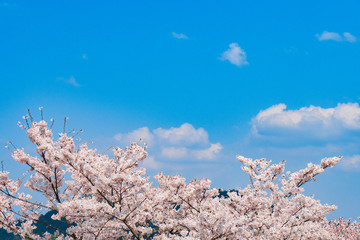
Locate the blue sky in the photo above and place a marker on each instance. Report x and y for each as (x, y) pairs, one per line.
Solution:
(200, 81)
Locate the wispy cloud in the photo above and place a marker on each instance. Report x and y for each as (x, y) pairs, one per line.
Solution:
(184, 142)
(9, 4)
(179, 35)
(350, 162)
(235, 55)
(84, 56)
(349, 37)
(346, 37)
(71, 81)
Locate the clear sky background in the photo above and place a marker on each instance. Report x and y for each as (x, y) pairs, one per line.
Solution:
(199, 81)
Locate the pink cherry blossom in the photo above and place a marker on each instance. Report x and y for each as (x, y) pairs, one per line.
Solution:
(110, 197)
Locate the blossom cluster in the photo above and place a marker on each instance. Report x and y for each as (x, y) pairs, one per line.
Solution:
(109, 197)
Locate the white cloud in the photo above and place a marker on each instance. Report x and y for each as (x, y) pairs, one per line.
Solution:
(184, 142)
(347, 115)
(329, 36)
(141, 133)
(200, 153)
(72, 81)
(179, 35)
(349, 37)
(208, 153)
(150, 163)
(307, 122)
(186, 134)
(173, 152)
(235, 55)
(350, 162)
(325, 36)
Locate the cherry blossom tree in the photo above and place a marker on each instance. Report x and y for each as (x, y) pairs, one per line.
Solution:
(100, 196)
(343, 229)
